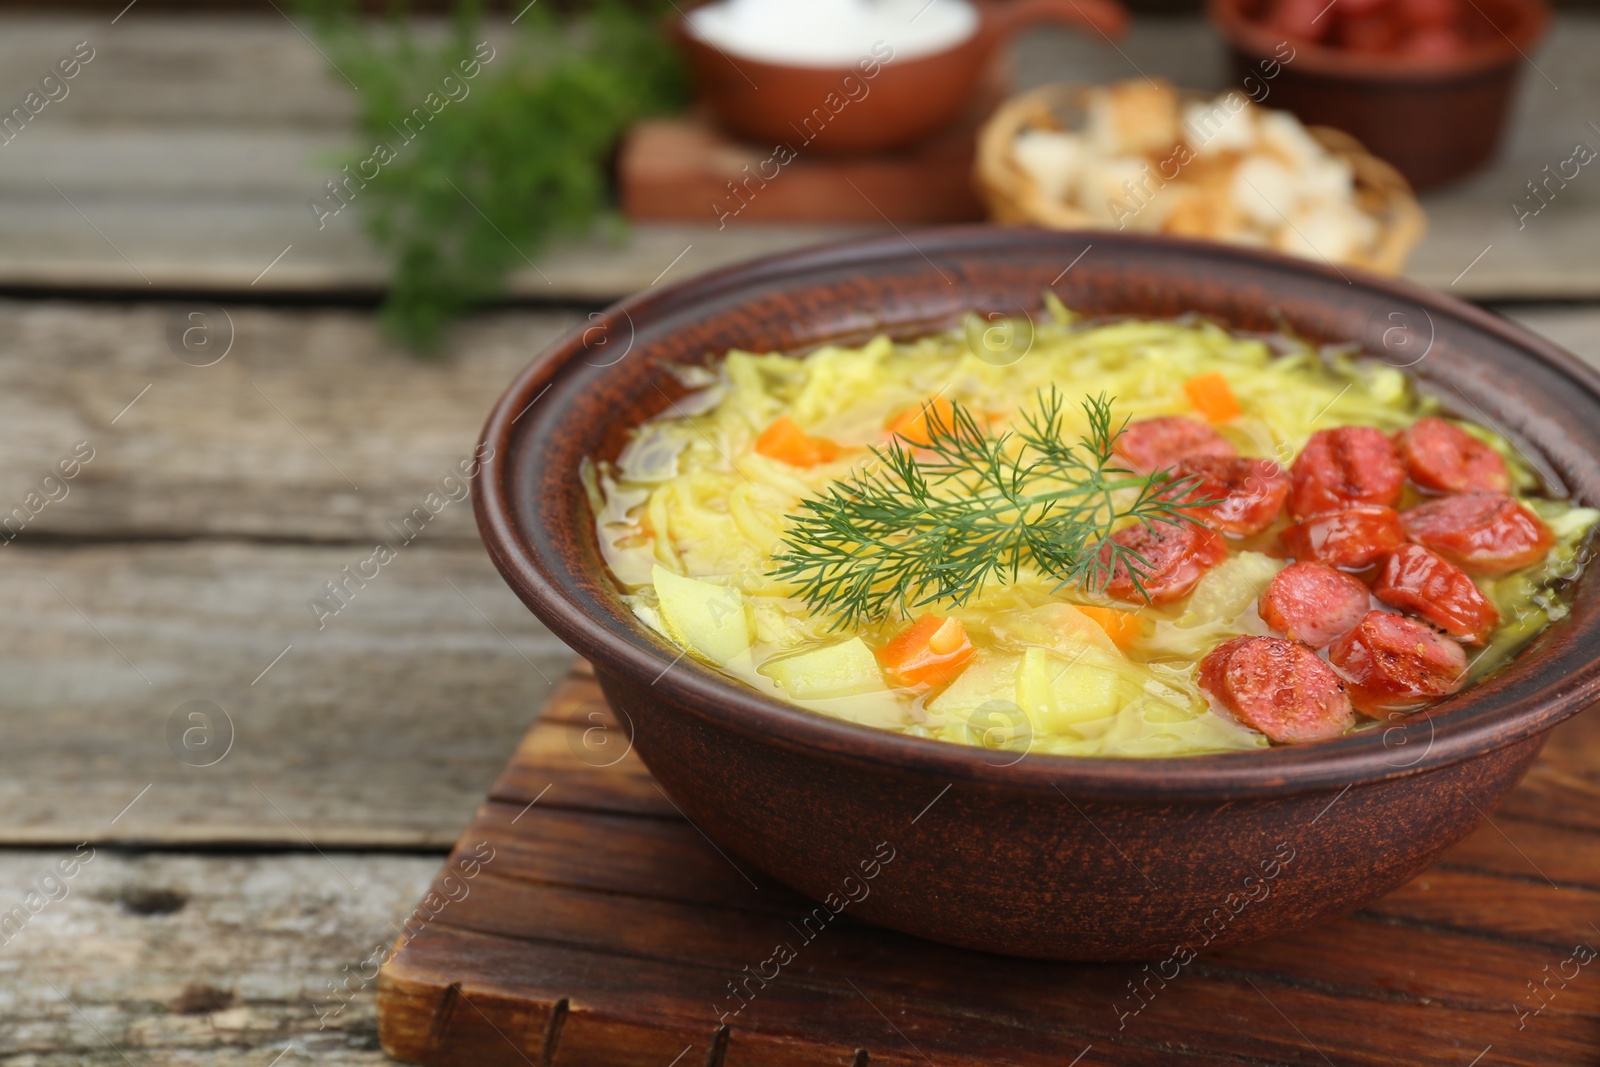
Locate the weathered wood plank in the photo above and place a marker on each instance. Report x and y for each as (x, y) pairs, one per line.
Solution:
(1574, 327)
(1357, 958)
(603, 999)
(384, 728)
(1450, 896)
(550, 886)
(254, 446)
(177, 959)
(543, 767)
(191, 69)
(569, 945)
(172, 194)
(310, 429)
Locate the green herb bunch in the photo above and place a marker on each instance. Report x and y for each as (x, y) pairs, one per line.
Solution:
(521, 159)
(910, 530)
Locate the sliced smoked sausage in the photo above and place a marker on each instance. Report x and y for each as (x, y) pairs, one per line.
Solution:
(1446, 459)
(1343, 467)
(1279, 687)
(1354, 538)
(1175, 556)
(1425, 584)
(1313, 603)
(1392, 663)
(1251, 491)
(1149, 445)
(1482, 533)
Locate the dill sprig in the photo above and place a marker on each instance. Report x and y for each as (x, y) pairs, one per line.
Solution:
(918, 527)
(521, 156)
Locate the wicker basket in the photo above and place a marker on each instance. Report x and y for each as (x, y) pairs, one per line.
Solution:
(1014, 198)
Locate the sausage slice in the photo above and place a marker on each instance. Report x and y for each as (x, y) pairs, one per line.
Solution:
(1354, 538)
(1313, 603)
(1343, 467)
(1482, 533)
(1251, 491)
(1149, 445)
(1423, 583)
(1279, 687)
(1175, 558)
(1446, 459)
(1392, 663)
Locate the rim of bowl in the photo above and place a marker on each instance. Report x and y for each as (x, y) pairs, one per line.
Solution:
(629, 649)
(1532, 18)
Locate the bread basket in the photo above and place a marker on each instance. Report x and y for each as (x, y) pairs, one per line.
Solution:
(1014, 197)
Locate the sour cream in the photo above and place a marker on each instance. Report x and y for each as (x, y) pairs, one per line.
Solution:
(832, 33)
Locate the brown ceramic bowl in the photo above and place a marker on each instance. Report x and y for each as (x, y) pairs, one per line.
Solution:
(815, 109)
(1434, 119)
(1046, 856)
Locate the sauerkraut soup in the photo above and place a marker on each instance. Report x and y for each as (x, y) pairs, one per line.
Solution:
(1114, 538)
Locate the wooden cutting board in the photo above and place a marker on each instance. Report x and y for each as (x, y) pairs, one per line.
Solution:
(581, 922)
(684, 168)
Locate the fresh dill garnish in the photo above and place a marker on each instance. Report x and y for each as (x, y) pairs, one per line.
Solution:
(479, 172)
(935, 524)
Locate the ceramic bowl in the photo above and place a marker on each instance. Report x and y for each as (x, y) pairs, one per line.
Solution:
(1436, 120)
(1045, 856)
(846, 109)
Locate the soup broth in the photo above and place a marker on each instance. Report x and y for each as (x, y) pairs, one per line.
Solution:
(1326, 504)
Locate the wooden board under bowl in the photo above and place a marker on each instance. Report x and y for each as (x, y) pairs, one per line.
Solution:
(581, 921)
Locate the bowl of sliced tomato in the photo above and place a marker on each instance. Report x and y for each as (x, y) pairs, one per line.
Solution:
(1425, 84)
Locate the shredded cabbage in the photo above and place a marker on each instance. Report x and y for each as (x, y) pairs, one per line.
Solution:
(689, 494)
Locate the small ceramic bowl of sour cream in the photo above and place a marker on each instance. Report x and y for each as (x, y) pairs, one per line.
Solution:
(849, 76)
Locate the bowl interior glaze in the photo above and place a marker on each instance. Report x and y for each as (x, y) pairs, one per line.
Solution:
(581, 396)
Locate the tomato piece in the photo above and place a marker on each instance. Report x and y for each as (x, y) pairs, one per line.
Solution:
(1279, 687)
(1346, 466)
(1352, 539)
(1434, 42)
(1213, 397)
(1150, 445)
(1298, 19)
(1313, 603)
(1482, 533)
(1423, 583)
(912, 424)
(1447, 459)
(1175, 557)
(1251, 491)
(1392, 663)
(1373, 32)
(786, 442)
(1123, 627)
(932, 649)
(1443, 14)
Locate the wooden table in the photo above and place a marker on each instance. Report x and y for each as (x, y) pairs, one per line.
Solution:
(194, 143)
(224, 905)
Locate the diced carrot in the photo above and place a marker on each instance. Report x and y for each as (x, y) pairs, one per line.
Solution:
(786, 442)
(1213, 397)
(929, 650)
(1123, 627)
(912, 423)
